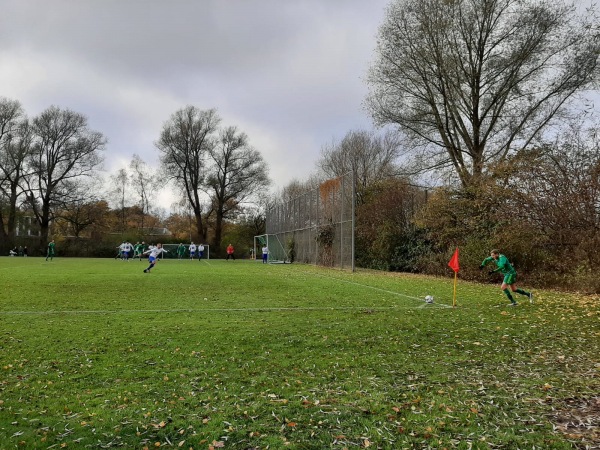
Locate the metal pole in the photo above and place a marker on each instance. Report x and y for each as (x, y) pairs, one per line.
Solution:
(353, 216)
(342, 225)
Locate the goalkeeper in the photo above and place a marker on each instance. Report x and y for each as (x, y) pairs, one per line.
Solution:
(510, 276)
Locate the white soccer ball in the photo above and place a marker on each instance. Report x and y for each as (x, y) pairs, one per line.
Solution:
(429, 299)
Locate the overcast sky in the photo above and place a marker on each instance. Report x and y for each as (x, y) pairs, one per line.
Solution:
(289, 73)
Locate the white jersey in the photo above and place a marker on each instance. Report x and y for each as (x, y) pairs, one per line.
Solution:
(192, 248)
(155, 251)
(201, 248)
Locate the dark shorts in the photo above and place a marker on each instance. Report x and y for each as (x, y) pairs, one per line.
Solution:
(510, 278)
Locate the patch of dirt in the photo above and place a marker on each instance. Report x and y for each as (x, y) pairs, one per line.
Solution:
(579, 420)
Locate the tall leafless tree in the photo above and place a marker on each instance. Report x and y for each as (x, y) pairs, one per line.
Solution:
(184, 144)
(239, 173)
(470, 82)
(120, 182)
(15, 144)
(370, 156)
(64, 149)
(141, 181)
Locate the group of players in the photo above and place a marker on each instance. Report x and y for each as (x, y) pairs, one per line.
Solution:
(155, 252)
(126, 250)
(193, 248)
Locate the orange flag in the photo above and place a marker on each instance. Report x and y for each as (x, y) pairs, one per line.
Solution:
(453, 264)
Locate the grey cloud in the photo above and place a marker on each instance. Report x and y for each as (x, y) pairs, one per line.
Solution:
(290, 71)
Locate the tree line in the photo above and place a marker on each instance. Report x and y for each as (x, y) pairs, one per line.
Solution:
(50, 171)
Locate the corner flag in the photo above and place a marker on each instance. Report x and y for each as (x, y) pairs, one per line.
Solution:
(453, 264)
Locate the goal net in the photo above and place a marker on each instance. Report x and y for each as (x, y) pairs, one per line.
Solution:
(318, 225)
(171, 252)
(277, 251)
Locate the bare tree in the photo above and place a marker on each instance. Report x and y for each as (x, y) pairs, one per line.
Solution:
(82, 209)
(470, 82)
(141, 181)
(120, 182)
(184, 142)
(64, 150)
(371, 158)
(15, 144)
(239, 173)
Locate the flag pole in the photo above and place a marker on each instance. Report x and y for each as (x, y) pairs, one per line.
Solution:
(454, 265)
(454, 297)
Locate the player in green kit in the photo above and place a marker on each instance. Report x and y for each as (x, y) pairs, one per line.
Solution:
(136, 250)
(180, 251)
(510, 275)
(50, 253)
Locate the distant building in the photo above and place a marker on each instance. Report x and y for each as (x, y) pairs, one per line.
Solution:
(27, 226)
(150, 231)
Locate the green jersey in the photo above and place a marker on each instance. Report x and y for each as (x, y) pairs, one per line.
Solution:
(502, 265)
(181, 250)
(51, 248)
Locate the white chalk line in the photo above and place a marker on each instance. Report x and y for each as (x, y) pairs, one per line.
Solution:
(202, 310)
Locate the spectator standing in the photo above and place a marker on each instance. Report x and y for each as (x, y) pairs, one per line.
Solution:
(230, 252)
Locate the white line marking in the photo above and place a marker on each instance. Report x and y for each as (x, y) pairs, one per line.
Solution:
(184, 310)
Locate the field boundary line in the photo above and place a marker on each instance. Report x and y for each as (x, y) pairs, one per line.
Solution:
(203, 310)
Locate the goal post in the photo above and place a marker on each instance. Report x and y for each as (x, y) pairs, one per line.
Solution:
(171, 252)
(277, 251)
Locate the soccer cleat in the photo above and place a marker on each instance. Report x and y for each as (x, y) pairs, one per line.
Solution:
(513, 304)
(145, 270)
(531, 297)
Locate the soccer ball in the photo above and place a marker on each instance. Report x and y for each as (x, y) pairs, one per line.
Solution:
(429, 299)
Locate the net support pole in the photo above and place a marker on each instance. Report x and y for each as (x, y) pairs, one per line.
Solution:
(454, 296)
(353, 218)
(342, 225)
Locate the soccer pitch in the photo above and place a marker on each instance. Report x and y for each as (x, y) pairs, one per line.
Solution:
(240, 354)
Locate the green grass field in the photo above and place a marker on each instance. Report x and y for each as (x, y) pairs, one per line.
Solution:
(241, 355)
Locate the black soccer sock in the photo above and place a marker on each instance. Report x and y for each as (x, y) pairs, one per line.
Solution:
(522, 292)
(510, 297)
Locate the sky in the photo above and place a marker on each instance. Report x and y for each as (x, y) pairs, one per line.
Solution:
(289, 73)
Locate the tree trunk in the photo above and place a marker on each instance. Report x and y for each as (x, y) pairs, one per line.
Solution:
(199, 226)
(218, 229)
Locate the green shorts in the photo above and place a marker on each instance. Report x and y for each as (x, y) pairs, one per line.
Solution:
(510, 278)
